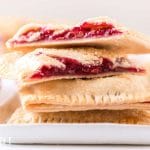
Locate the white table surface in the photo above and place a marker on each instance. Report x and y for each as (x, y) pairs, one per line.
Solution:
(72, 147)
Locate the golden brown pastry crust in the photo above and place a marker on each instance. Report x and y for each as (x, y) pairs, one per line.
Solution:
(128, 42)
(116, 92)
(95, 116)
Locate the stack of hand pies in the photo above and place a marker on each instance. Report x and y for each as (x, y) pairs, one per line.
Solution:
(95, 71)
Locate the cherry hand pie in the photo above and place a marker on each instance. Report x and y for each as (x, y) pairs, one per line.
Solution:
(95, 116)
(116, 92)
(101, 32)
(52, 64)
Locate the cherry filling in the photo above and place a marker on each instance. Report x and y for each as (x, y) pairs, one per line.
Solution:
(42, 34)
(74, 67)
(85, 30)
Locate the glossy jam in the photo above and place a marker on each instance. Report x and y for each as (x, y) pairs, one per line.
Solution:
(88, 30)
(44, 34)
(85, 30)
(74, 67)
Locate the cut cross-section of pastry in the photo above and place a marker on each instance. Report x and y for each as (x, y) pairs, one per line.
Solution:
(96, 116)
(51, 64)
(100, 31)
(116, 92)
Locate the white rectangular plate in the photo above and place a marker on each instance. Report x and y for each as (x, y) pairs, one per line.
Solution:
(100, 133)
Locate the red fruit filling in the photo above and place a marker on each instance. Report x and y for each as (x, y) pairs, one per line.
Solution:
(85, 30)
(74, 67)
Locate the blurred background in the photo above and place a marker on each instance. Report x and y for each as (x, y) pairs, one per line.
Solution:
(13, 13)
(134, 13)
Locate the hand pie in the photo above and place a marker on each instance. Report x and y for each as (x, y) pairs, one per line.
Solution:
(51, 64)
(116, 92)
(100, 31)
(95, 116)
(7, 65)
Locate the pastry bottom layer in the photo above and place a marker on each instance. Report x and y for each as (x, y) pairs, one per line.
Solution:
(95, 116)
